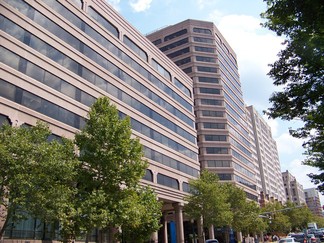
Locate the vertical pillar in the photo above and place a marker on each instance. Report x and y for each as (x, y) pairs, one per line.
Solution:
(154, 237)
(165, 228)
(179, 222)
(211, 232)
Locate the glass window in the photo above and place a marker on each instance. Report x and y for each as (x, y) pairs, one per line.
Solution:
(4, 120)
(216, 150)
(178, 53)
(68, 89)
(205, 59)
(205, 49)
(207, 69)
(202, 31)
(52, 81)
(204, 40)
(135, 48)
(104, 22)
(208, 80)
(148, 175)
(156, 42)
(183, 61)
(31, 101)
(35, 72)
(7, 90)
(167, 181)
(209, 90)
(176, 34)
(174, 44)
(11, 28)
(9, 58)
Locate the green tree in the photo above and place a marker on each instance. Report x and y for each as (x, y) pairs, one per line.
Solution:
(277, 221)
(112, 164)
(300, 72)
(36, 176)
(298, 216)
(208, 201)
(245, 213)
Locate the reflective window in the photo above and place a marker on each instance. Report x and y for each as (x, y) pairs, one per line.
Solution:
(207, 69)
(104, 22)
(216, 150)
(156, 42)
(167, 181)
(178, 53)
(78, 3)
(204, 49)
(7, 90)
(148, 175)
(209, 125)
(215, 137)
(176, 34)
(208, 80)
(185, 187)
(182, 87)
(4, 120)
(204, 40)
(187, 70)
(135, 48)
(174, 44)
(211, 102)
(209, 90)
(161, 69)
(205, 59)
(213, 113)
(224, 177)
(183, 61)
(202, 31)
(218, 163)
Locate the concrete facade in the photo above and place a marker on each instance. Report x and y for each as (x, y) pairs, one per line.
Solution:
(201, 51)
(57, 57)
(313, 201)
(293, 189)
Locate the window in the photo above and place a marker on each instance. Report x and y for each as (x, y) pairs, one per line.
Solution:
(202, 31)
(205, 49)
(178, 53)
(174, 44)
(211, 102)
(156, 42)
(167, 181)
(215, 138)
(135, 48)
(176, 34)
(161, 70)
(209, 91)
(207, 69)
(205, 59)
(187, 70)
(208, 125)
(216, 150)
(183, 61)
(213, 113)
(218, 163)
(208, 80)
(148, 175)
(104, 22)
(204, 40)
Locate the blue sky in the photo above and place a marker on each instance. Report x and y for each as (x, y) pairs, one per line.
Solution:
(255, 47)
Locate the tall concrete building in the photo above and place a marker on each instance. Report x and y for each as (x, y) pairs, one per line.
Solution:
(272, 188)
(201, 51)
(313, 201)
(293, 189)
(57, 57)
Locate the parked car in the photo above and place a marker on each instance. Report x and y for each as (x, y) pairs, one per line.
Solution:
(212, 241)
(299, 237)
(288, 240)
(312, 239)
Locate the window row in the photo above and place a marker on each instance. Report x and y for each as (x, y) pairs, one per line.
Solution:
(178, 53)
(213, 102)
(183, 61)
(240, 147)
(118, 52)
(205, 59)
(244, 182)
(224, 177)
(205, 49)
(204, 90)
(210, 125)
(219, 163)
(36, 103)
(212, 113)
(206, 69)
(170, 162)
(208, 80)
(174, 44)
(216, 138)
(85, 73)
(243, 170)
(216, 150)
(242, 158)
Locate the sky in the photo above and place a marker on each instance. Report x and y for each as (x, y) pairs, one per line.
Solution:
(255, 46)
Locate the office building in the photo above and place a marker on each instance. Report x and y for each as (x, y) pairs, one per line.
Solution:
(293, 189)
(272, 188)
(313, 201)
(201, 51)
(57, 57)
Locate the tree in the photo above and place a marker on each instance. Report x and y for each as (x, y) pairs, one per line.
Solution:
(208, 201)
(36, 176)
(300, 71)
(298, 216)
(277, 221)
(245, 213)
(112, 164)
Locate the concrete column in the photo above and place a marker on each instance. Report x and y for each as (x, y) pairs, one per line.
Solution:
(179, 222)
(154, 237)
(165, 229)
(211, 232)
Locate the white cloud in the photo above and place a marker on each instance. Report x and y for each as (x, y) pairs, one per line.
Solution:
(288, 145)
(140, 5)
(205, 3)
(114, 4)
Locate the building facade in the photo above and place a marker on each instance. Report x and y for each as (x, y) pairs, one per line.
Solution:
(57, 57)
(201, 51)
(270, 185)
(313, 201)
(293, 189)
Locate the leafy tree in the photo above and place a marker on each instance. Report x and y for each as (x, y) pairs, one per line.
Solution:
(245, 213)
(109, 194)
(300, 71)
(298, 216)
(278, 222)
(36, 176)
(209, 201)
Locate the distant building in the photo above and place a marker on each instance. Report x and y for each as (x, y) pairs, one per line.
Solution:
(269, 182)
(313, 201)
(201, 51)
(294, 190)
